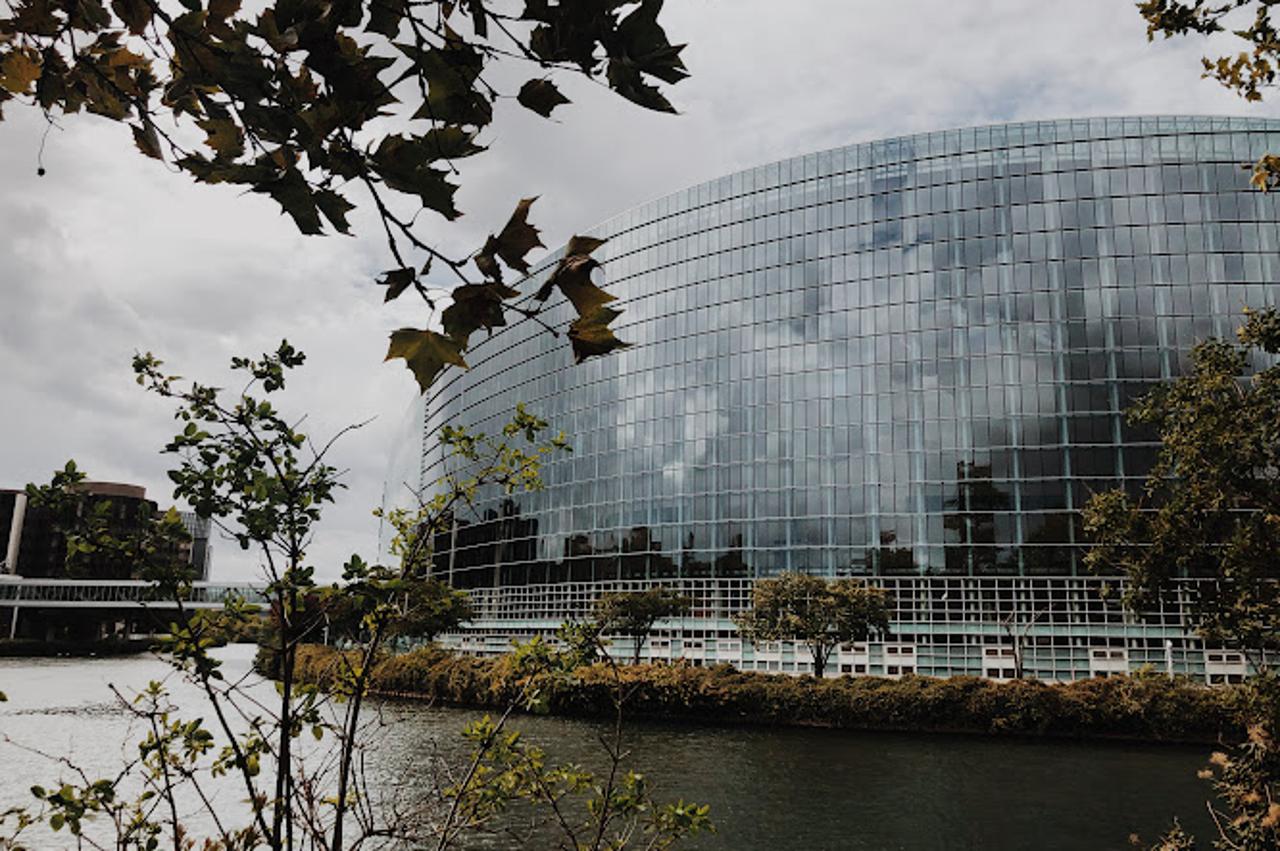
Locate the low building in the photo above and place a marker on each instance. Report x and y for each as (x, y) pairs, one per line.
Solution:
(32, 547)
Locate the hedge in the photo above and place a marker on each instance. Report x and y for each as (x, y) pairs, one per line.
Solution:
(1142, 707)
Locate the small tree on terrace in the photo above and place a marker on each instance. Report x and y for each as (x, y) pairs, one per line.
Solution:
(820, 612)
(426, 606)
(633, 613)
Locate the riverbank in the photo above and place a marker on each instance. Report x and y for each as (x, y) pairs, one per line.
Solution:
(1139, 708)
(17, 648)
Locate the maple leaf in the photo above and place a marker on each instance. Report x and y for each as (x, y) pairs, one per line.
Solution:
(292, 192)
(572, 276)
(136, 14)
(18, 70)
(425, 353)
(223, 136)
(397, 281)
(404, 164)
(590, 335)
(516, 239)
(476, 306)
(541, 96)
(147, 141)
(335, 209)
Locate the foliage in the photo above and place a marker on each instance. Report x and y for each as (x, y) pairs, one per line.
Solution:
(296, 99)
(243, 463)
(425, 608)
(610, 811)
(1249, 72)
(1245, 780)
(820, 612)
(1210, 509)
(591, 812)
(1136, 707)
(1246, 814)
(634, 613)
(98, 544)
(1211, 505)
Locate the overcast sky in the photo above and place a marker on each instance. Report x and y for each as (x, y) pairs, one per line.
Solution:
(111, 253)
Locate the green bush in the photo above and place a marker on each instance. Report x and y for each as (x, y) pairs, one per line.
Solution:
(1143, 707)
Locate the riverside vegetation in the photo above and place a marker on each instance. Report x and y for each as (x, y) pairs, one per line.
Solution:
(244, 464)
(1146, 707)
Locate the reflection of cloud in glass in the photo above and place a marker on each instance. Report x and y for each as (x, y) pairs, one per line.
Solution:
(905, 357)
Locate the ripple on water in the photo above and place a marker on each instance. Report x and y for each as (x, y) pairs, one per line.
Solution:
(103, 709)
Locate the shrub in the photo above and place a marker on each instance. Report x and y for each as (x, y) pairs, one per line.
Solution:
(1138, 707)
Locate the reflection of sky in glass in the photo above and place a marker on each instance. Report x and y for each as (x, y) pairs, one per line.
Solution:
(909, 356)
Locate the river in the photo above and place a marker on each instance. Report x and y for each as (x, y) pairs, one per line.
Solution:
(770, 790)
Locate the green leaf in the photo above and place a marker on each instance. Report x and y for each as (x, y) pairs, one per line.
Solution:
(425, 353)
(541, 96)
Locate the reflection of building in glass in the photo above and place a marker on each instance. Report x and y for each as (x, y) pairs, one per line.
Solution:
(908, 359)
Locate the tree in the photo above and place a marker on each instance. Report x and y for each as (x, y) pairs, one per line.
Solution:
(291, 100)
(1226, 485)
(244, 464)
(426, 606)
(822, 613)
(633, 613)
(1249, 72)
(1210, 508)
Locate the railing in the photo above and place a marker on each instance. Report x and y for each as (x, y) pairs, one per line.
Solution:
(1038, 605)
(109, 593)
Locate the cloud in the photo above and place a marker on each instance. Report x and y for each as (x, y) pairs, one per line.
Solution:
(112, 253)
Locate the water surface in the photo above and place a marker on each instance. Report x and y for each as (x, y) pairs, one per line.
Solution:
(769, 789)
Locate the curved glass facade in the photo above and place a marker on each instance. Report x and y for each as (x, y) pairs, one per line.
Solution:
(907, 358)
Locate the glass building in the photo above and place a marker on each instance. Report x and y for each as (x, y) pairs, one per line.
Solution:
(907, 359)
